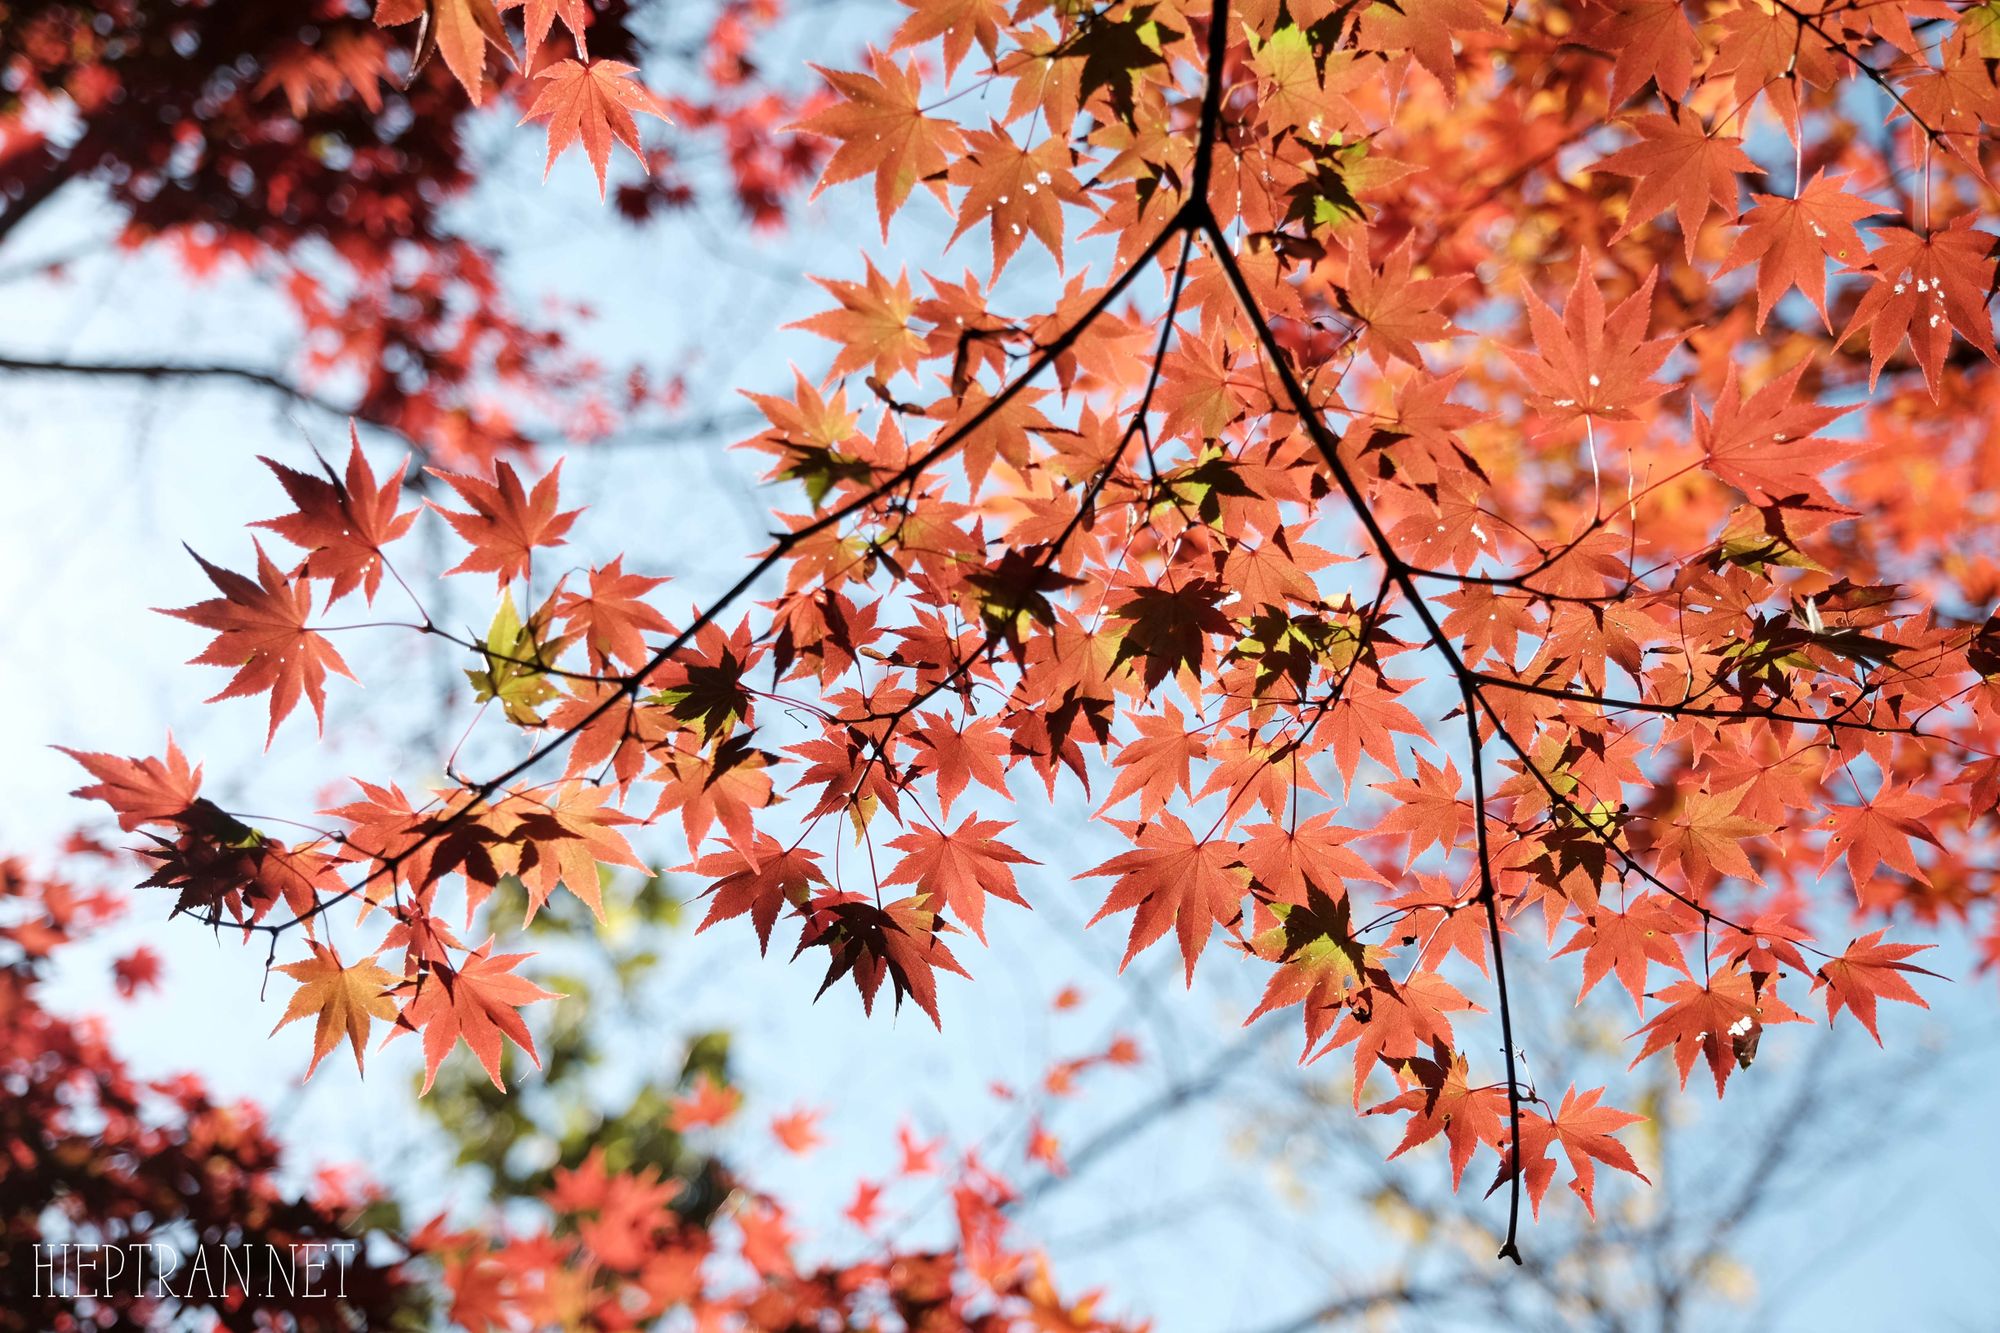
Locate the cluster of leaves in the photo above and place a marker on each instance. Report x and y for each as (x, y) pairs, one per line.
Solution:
(636, 1224)
(1394, 643)
(302, 145)
(98, 1155)
(636, 1218)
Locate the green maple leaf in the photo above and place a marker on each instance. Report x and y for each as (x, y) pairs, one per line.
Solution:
(517, 657)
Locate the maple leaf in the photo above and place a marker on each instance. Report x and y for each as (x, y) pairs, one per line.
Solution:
(1427, 809)
(460, 30)
(1590, 365)
(1399, 311)
(720, 788)
(1584, 1130)
(1866, 971)
(1879, 832)
(593, 102)
(1321, 965)
(611, 617)
(899, 940)
(1169, 628)
(475, 1002)
(140, 791)
(758, 881)
(1285, 862)
(798, 1132)
(1680, 164)
(1425, 29)
(1118, 46)
(1777, 52)
(865, 1208)
(1764, 445)
(1391, 1022)
(1626, 942)
(1721, 1021)
(1706, 837)
(882, 129)
(344, 998)
(958, 22)
(959, 869)
(342, 524)
(711, 1104)
(1443, 1102)
(260, 630)
(1924, 288)
(1790, 240)
(957, 757)
(1019, 190)
(872, 325)
(1652, 42)
(562, 840)
(518, 658)
(507, 521)
(540, 16)
(1173, 881)
(1156, 765)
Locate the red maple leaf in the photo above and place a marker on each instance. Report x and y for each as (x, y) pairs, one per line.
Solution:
(710, 1104)
(1395, 1021)
(798, 1132)
(898, 940)
(1427, 809)
(759, 884)
(1174, 881)
(882, 129)
(1584, 1131)
(959, 869)
(1157, 764)
(1866, 971)
(507, 522)
(1398, 311)
(1590, 365)
(1790, 240)
(1651, 40)
(260, 630)
(476, 1002)
(1320, 963)
(1924, 288)
(1764, 445)
(1625, 942)
(1879, 832)
(1722, 1021)
(540, 16)
(1443, 1102)
(1683, 165)
(611, 616)
(140, 791)
(343, 524)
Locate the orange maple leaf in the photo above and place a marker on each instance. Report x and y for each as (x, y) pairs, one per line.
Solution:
(1790, 240)
(459, 29)
(1591, 365)
(882, 129)
(593, 102)
(344, 998)
(1175, 882)
(1682, 165)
